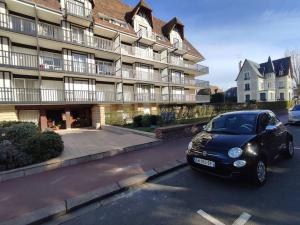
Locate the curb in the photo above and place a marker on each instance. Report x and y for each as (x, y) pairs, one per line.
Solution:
(111, 128)
(57, 163)
(46, 214)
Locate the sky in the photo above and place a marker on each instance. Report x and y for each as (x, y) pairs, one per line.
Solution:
(228, 31)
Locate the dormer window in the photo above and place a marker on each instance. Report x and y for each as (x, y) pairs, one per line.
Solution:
(142, 14)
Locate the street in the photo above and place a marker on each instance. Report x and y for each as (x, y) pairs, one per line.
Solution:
(188, 197)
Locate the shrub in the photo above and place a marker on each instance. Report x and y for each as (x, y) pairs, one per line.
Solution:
(11, 157)
(44, 146)
(146, 121)
(155, 120)
(137, 121)
(5, 124)
(19, 133)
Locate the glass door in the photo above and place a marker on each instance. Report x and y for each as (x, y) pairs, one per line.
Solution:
(79, 63)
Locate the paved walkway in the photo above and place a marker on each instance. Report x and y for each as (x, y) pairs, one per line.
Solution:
(26, 194)
(82, 142)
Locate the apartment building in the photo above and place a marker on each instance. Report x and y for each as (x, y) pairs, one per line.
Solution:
(266, 82)
(67, 63)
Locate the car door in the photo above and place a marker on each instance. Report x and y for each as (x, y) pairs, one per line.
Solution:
(281, 131)
(268, 139)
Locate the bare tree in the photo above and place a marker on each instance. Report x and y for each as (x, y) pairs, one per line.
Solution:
(295, 60)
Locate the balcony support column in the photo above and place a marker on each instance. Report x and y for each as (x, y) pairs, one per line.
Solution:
(68, 118)
(43, 120)
(98, 116)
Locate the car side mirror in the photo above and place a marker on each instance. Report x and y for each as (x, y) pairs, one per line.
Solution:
(270, 128)
(204, 127)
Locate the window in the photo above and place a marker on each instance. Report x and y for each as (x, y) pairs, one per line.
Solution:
(281, 98)
(263, 97)
(79, 63)
(281, 85)
(247, 87)
(247, 76)
(247, 98)
(77, 35)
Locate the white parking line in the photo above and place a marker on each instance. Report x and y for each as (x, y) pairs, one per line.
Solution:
(242, 219)
(209, 217)
(57, 180)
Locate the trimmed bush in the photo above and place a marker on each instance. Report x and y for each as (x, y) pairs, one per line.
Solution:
(11, 157)
(19, 133)
(146, 121)
(137, 121)
(5, 124)
(44, 146)
(155, 120)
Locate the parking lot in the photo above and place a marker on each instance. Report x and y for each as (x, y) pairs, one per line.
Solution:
(188, 197)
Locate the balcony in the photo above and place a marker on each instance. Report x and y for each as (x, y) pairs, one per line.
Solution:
(203, 98)
(77, 13)
(180, 48)
(146, 37)
(46, 96)
(18, 60)
(17, 24)
(57, 33)
(200, 69)
(183, 98)
(201, 84)
(141, 75)
(183, 80)
(135, 52)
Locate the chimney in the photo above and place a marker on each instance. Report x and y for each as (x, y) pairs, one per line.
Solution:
(240, 65)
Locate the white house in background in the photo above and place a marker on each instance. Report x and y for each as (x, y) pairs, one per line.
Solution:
(270, 81)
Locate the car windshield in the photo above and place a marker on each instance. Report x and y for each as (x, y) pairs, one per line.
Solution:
(233, 124)
(296, 108)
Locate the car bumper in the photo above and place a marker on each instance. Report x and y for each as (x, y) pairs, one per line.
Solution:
(221, 169)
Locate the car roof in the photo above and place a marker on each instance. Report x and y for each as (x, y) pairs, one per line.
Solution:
(253, 112)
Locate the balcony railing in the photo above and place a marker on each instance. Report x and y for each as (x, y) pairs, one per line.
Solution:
(203, 98)
(18, 59)
(128, 73)
(17, 24)
(202, 84)
(57, 33)
(75, 9)
(145, 97)
(24, 95)
(142, 33)
(181, 46)
(183, 97)
(136, 52)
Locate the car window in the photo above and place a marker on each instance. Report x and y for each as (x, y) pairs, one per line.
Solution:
(296, 108)
(264, 121)
(273, 119)
(233, 124)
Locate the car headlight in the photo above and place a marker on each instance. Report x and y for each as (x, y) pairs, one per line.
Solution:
(235, 153)
(190, 146)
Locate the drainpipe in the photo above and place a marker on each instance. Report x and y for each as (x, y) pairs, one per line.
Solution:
(38, 51)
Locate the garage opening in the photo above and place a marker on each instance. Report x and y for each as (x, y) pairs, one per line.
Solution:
(56, 119)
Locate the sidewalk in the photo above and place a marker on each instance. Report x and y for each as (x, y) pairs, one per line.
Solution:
(26, 194)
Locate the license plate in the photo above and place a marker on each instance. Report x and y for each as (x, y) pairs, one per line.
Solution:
(204, 162)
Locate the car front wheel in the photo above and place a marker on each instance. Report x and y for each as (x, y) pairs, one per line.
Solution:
(289, 151)
(260, 172)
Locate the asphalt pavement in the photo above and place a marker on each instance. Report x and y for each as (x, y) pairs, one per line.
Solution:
(188, 197)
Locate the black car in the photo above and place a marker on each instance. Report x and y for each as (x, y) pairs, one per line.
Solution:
(240, 144)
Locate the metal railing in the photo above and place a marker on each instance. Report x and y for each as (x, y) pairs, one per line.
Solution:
(18, 59)
(17, 24)
(203, 98)
(24, 95)
(136, 52)
(145, 97)
(142, 33)
(57, 33)
(78, 10)
(128, 73)
(202, 84)
(180, 46)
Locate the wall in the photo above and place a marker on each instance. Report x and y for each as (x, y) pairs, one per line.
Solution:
(8, 113)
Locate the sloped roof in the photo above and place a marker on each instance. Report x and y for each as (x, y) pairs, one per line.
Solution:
(166, 29)
(142, 5)
(121, 11)
(281, 67)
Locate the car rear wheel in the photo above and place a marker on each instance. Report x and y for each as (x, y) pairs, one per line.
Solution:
(260, 172)
(289, 151)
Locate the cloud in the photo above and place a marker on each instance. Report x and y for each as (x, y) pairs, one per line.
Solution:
(268, 34)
